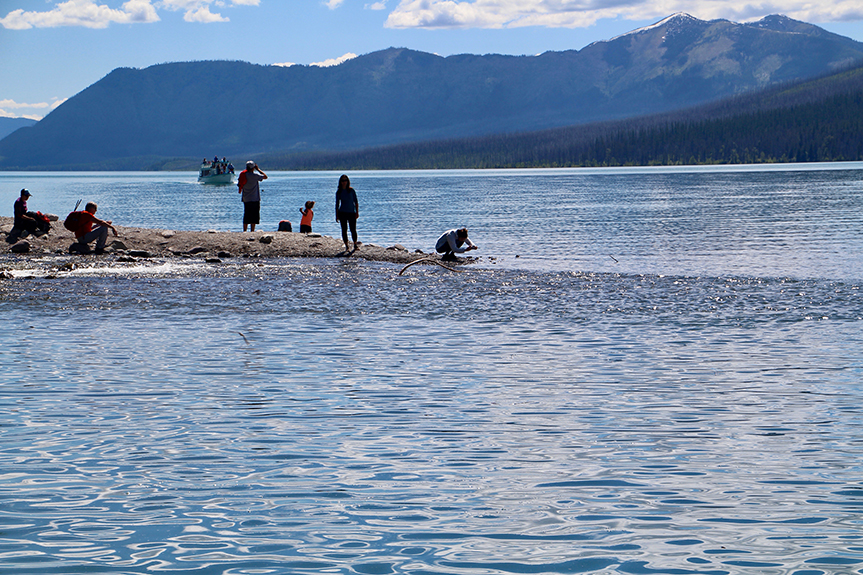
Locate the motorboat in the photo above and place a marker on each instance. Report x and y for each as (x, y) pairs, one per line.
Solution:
(216, 172)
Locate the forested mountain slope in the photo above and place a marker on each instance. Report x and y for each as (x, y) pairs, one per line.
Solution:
(809, 121)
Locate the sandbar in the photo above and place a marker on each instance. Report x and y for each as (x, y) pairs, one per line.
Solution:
(211, 245)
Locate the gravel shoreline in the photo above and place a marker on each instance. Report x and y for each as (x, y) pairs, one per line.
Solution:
(142, 243)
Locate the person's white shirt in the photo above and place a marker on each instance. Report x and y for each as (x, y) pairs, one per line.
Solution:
(450, 239)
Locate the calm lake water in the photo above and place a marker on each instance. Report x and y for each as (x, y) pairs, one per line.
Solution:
(649, 371)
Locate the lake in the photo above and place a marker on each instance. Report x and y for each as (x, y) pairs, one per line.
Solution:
(649, 370)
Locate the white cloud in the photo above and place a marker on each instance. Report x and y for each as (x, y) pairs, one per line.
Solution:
(199, 10)
(90, 14)
(14, 104)
(21, 108)
(582, 13)
(81, 13)
(194, 5)
(324, 63)
(376, 6)
(203, 14)
(5, 114)
(334, 61)
(333, 4)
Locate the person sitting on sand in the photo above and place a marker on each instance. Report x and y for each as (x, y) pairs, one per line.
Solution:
(24, 222)
(86, 234)
(306, 221)
(451, 242)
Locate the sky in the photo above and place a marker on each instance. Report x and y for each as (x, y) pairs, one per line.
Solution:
(50, 51)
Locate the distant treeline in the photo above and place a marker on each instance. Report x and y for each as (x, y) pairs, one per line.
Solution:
(815, 121)
(824, 132)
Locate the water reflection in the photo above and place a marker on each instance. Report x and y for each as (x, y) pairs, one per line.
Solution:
(689, 405)
(307, 417)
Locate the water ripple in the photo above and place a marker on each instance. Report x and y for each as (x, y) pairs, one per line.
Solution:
(310, 417)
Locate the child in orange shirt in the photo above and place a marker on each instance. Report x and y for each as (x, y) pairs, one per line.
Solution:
(308, 214)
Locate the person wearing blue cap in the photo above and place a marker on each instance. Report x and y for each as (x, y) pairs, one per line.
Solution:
(24, 223)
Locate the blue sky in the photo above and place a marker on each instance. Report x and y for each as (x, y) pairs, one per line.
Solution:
(52, 50)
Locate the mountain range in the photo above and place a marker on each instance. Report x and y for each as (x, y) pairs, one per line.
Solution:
(135, 118)
(814, 120)
(9, 125)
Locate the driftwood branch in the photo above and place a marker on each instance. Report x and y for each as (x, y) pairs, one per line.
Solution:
(428, 259)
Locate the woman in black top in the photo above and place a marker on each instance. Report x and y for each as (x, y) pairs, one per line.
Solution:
(347, 210)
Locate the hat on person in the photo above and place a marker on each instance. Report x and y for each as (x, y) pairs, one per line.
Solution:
(26, 192)
(250, 164)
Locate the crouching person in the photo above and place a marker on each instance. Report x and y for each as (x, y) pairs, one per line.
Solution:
(86, 233)
(454, 242)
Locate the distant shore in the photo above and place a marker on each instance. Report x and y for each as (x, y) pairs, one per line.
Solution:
(210, 245)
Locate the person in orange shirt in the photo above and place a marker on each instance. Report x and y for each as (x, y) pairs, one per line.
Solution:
(308, 214)
(85, 232)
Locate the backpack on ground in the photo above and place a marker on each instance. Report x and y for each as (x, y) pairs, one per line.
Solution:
(41, 223)
(73, 220)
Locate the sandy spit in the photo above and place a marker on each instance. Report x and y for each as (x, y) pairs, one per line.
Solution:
(142, 243)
